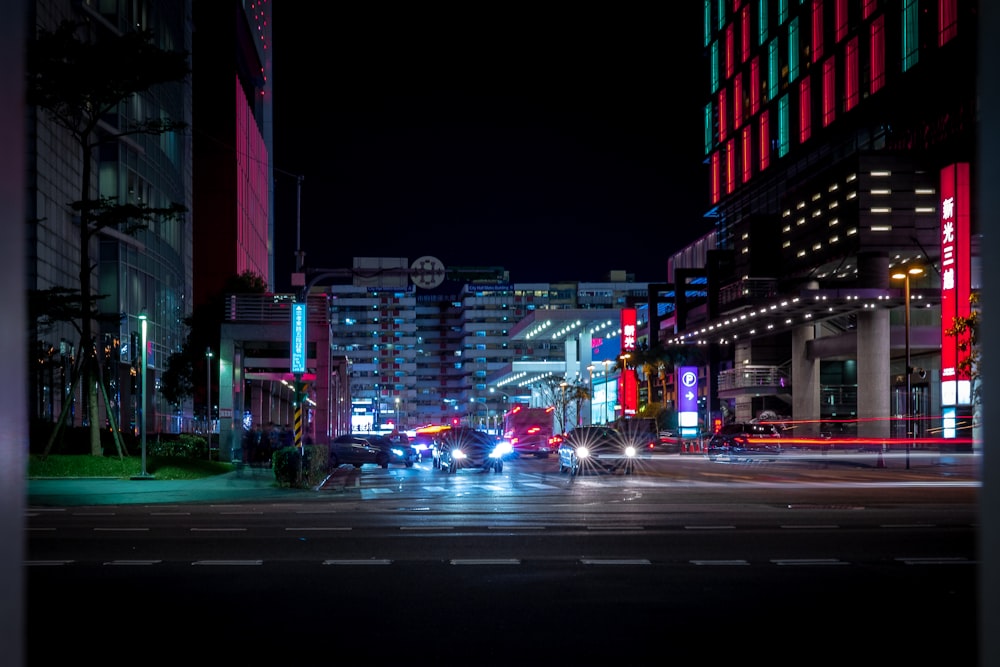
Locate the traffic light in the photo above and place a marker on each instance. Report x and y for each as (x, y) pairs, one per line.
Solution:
(716, 424)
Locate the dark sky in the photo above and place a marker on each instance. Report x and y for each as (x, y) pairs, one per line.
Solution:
(554, 144)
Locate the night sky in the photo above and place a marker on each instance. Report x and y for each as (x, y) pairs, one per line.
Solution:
(553, 144)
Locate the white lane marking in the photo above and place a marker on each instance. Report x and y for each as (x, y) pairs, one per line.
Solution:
(47, 562)
(485, 561)
(810, 526)
(808, 561)
(359, 561)
(719, 562)
(120, 530)
(218, 530)
(305, 528)
(614, 561)
(616, 528)
(133, 562)
(935, 560)
(228, 562)
(709, 527)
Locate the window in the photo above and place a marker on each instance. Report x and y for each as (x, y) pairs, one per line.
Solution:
(839, 20)
(829, 92)
(783, 126)
(761, 22)
(730, 51)
(868, 8)
(745, 34)
(764, 141)
(754, 86)
(877, 48)
(851, 75)
(746, 147)
(772, 70)
(715, 178)
(730, 167)
(737, 100)
(708, 128)
(911, 37)
(714, 58)
(805, 111)
(793, 50)
(947, 21)
(817, 30)
(723, 112)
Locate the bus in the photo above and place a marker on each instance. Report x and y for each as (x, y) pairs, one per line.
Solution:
(529, 430)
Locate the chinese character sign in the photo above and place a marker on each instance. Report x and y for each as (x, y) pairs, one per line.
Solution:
(298, 338)
(628, 329)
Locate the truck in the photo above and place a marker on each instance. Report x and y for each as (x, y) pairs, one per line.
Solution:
(530, 431)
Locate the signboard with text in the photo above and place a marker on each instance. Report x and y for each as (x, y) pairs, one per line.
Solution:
(298, 346)
(956, 281)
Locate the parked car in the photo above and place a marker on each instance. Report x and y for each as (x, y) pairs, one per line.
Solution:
(744, 439)
(462, 448)
(398, 451)
(356, 451)
(598, 447)
(670, 442)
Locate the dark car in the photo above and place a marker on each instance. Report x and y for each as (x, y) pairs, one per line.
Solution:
(463, 448)
(356, 451)
(743, 440)
(398, 451)
(598, 447)
(640, 432)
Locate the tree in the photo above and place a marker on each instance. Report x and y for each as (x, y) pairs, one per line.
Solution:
(81, 84)
(966, 330)
(203, 331)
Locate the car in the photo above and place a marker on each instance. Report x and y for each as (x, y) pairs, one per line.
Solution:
(355, 450)
(598, 447)
(398, 451)
(670, 442)
(743, 440)
(463, 448)
(640, 432)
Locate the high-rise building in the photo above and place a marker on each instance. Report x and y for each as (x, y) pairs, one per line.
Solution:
(841, 139)
(149, 272)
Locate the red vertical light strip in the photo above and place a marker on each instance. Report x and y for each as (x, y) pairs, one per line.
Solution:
(746, 145)
(730, 167)
(868, 8)
(745, 34)
(817, 30)
(737, 100)
(851, 75)
(829, 91)
(963, 240)
(805, 110)
(947, 21)
(876, 47)
(840, 20)
(714, 186)
(949, 352)
(730, 51)
(754, 86)
(723, 115)
(765, 142)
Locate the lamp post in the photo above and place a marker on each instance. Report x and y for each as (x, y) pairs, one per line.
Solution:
(907, 421)
(607, 362)
(142, 391)
(590, 379)
(563, 385)
(208, 399)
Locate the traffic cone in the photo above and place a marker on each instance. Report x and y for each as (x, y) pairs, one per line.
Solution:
(881, 462)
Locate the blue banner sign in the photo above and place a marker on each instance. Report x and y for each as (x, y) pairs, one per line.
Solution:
(298, 337)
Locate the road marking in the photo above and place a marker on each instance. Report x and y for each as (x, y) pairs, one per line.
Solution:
(359, 561)
(709, 527)
(47, 562)
(719, 562)
(935, 560)
(810, 527)
(616, 528)
(133, 562)
(485, 561)
(120, 530)
(228, 562)
(218, 530)
(320, 528)
(614, 561)
(808, 561)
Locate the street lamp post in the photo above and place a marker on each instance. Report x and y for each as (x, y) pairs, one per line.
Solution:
(907, 418)
(607, 363)
(563, 385)
(208, 399)
(142, 391)
(590, 378)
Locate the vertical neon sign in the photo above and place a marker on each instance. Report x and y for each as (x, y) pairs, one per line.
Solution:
(956, 281)
(628, 387)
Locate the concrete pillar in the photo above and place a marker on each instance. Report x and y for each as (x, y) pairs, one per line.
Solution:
(873, 374)
(805, 382)
(230, 423)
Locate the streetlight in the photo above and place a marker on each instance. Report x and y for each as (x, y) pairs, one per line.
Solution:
(208, 399)
(606, 362)
(590, 379)
(142, 379)
(905, 277)
(564, 384)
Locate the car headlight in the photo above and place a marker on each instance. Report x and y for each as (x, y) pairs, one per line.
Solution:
(501, 449)
(582, 452)
(457, 454)
(630, 451)
(397, 452)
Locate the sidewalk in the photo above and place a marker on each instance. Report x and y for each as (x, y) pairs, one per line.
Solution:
(241, 485)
